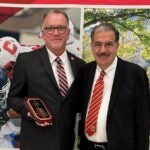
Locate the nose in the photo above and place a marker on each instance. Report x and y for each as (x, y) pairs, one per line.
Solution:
(55, 31)
(103, 47)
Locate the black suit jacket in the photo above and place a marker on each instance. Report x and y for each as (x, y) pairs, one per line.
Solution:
(33, 77)
(128, 119)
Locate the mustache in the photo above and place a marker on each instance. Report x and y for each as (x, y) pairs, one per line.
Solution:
(102, 54)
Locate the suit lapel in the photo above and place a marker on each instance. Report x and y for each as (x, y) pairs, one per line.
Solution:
(89, 77)
(72, 63)
(118, 79)
(74, 68)
(43, 54)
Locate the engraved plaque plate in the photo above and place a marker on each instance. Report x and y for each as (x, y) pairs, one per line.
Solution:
(39, 110)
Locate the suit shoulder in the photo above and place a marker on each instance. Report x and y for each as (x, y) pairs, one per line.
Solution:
(77, 59)
(89, 66)
(30, 53)
(132, 67)
(28, 58)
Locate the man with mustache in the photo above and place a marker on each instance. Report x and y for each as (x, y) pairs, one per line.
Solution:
(115, 98)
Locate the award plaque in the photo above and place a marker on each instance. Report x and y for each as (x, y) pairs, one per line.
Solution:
(39, 110)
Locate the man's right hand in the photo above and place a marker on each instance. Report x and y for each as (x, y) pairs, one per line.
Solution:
(39, 124)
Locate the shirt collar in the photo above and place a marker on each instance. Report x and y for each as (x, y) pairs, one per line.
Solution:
(52, 57)
(111, 68)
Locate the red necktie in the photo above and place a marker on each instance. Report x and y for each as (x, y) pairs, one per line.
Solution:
(91, 119)
(63, 84)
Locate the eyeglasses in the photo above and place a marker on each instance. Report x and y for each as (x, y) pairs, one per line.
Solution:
(106, 45)
(51, 29)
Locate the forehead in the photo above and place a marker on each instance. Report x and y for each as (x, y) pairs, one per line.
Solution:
(55, 19)
(104, 36)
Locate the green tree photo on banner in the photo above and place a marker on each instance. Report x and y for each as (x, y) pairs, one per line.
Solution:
(134, 28)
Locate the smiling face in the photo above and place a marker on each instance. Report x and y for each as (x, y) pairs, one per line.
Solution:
(104, 48)
(54, 39)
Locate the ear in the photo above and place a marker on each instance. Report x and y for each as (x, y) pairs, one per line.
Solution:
(41, 35)
(68, 33)
(117, 45)
(91, 44)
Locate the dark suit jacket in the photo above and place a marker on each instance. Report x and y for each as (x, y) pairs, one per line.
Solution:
(128, 120)
(33, 77)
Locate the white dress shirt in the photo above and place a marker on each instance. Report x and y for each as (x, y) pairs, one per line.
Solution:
(66, 65)
(101, 135)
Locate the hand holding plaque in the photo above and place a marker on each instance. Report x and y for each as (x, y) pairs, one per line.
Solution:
(39, 110)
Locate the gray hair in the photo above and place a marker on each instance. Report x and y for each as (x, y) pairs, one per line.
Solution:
(105, 27)
(57, 11)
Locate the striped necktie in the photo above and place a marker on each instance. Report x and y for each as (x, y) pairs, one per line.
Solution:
(63, 84)
(92, 116)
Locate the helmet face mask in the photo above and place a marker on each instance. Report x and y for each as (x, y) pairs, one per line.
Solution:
(3, 104)
(2, 95)
(4, 89)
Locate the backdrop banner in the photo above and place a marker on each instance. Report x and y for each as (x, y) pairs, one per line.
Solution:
(82, 2)
(21, 31)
